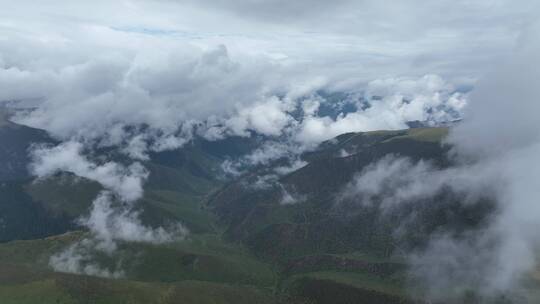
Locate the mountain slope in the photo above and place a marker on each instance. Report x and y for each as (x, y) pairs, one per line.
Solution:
(316, 224)
(178, 182)
(15, 142)
(259, 238)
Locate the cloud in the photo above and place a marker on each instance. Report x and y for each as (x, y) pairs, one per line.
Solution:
(394, 182)
(292, 126)
(266, 118)
(455, 261)
(501, 130)
(263, 182)
(388, 104)
(490, 260)
(290, 197)
(496, 150)
(160, 67)
(127, 182)
(345, 42)
(501, 118)
(286, 152)
(143, 84)
(291, 167)
(109, 224)
(276, 10)
(109, 220)
(78, 259)
(390, 181)
(164, 94)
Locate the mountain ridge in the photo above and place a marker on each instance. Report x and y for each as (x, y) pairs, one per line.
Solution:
(294, 248)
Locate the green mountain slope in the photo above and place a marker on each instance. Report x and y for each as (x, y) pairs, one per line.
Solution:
(15, 140)
(178, 182)
(199, 270)
(245, 245)
(317, 225)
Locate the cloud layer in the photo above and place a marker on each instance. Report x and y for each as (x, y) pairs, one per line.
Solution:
(240, 65)
(127, 182)
(497, 150)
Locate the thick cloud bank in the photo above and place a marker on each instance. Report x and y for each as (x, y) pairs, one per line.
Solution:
(497, 150)
(160, 103)
(501, 130)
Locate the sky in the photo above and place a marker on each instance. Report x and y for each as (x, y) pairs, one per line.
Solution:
(358, 40)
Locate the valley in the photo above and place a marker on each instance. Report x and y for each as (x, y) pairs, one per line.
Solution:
(244, 246)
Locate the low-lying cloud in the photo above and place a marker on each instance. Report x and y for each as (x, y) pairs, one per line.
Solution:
(109, 224)
(112, 218)
(79, 258)
(497, 157)
(127, 182)
(394, 181)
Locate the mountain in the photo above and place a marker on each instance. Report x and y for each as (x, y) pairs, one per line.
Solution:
(21, 216)
(39, 208)
(274, 234)
(16, 140)
(256, 216)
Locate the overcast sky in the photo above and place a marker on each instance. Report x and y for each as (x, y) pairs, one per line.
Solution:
(342, 40)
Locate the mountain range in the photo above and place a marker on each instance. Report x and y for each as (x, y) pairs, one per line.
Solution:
(278, 232)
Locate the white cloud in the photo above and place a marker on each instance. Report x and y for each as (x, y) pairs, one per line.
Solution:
(127, 182)
(501, 130)
(290, 197)
(293, 166)
(498, 149)
(109, 224)
(394, 181)
(392, 103)
(78, 259)
(267, 118)
(170, 64)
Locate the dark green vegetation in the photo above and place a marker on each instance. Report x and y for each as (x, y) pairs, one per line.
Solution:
(245, 246)
(21, 216)
(16, 140)
(318, 225)
(200, 270)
